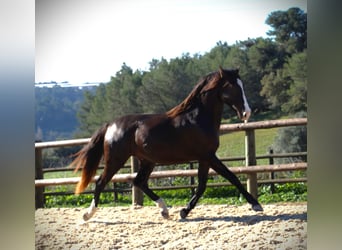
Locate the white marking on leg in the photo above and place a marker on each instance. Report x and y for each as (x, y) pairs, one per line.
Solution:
(161, 204)
(247, 108)
(113, 133)
(91, 211)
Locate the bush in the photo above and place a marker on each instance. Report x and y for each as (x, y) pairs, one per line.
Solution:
(288, 192)
(291, 139)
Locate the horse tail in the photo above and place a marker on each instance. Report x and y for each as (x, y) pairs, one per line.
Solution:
(89, 158)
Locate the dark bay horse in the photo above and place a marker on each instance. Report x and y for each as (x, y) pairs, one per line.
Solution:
(188, 132)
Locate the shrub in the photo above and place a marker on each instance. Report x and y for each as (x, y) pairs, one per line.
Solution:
(291, 139)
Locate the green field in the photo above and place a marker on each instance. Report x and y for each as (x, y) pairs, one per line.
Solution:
(233, 144)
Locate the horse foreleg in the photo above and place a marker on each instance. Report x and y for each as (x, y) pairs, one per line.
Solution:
(203, 170)
(221, 169)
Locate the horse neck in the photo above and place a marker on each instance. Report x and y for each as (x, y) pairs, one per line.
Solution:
(212, 109)
(206, 111)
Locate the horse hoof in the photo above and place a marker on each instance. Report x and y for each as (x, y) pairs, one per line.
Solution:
(165, 214)
(86, 216)
(257, 208)
(183, 213)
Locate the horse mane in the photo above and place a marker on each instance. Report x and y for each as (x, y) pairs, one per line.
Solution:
(207, 83)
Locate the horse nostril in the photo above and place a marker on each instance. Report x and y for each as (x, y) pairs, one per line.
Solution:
(244, 114)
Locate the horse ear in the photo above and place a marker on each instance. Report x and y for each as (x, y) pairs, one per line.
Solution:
(221, 71)
(237, 69)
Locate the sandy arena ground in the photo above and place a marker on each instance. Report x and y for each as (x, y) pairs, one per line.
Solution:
(280, 226)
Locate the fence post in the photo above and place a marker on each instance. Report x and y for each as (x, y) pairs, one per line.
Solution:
(250, 155)
(271, 162)
(137, 194)
(39, 175)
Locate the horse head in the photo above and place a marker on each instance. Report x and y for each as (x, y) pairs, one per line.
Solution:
(233, 93)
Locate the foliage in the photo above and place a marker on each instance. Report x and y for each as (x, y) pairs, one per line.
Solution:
(82, 200)
(265, 56)
(55, 110)
(286, 88)
(122, 93)
(285, 85)
(289, 28)
(84, 114)
(275, 86)
(115, 98)
(291, 139)
(165, 85)
(289, 192)
(58, 157)
(296, 70)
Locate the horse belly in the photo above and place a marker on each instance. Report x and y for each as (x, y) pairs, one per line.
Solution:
(175, 147)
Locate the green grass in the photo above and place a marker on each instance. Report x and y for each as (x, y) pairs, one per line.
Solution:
(289, 192)
(233, 144)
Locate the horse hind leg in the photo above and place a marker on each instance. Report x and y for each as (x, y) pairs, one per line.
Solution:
(112, 166)
(100, 184)
(141, 181)
(90, 212)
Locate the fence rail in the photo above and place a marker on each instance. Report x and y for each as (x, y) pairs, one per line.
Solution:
(250, 159)
(177, 173)
(224, 159)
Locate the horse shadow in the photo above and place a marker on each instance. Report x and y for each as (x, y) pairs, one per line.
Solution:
(251, 219)
(246, 219)
(115, 223)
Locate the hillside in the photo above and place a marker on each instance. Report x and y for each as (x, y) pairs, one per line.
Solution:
(55, 111)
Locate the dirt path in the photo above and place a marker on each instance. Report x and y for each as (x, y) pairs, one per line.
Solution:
(280, 226)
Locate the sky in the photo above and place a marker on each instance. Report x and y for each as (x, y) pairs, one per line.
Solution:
(82, 41)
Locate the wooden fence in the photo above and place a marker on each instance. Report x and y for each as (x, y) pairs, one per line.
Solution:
(137, 197)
